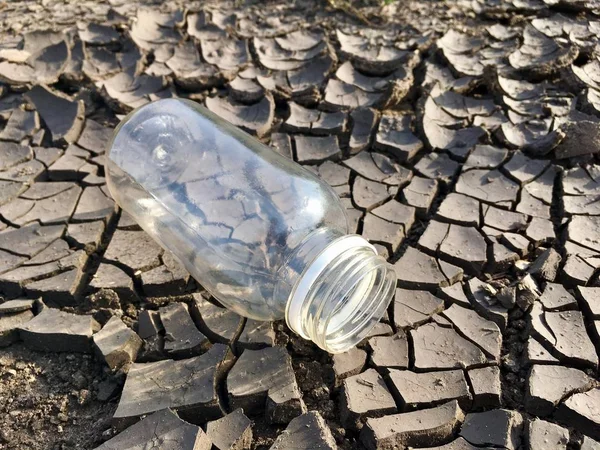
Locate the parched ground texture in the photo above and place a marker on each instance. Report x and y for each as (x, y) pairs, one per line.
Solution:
(462, 137)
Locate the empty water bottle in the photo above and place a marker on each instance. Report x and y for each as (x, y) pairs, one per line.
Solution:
(266, 237)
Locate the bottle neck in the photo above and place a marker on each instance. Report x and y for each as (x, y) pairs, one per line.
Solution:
(342, 289)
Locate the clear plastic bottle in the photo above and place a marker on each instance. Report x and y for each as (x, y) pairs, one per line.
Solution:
(263, 235)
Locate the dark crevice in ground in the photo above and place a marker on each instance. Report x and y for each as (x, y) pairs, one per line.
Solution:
(513, 374)
(95, 259)
(312, 367)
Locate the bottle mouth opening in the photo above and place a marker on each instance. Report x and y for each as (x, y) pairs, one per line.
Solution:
(342, 295)
(359, 310)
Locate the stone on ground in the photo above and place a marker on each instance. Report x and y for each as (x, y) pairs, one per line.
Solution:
(495, 428)
(426, 427)
(56, 331)
(365, 395)
(10, 322)
(423, 390)
(389, 351)
(548, 385)
(349, 363)
(117, 344)
(542, 434)
(306, 432)
(218, 324)
(436, 347)
(258, 374)
(232, 432)
(189, 386)
(182, 338)
(160, 430)
(486, 385)
(582, 411)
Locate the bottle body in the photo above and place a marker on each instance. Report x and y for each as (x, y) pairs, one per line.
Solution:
(245, 221)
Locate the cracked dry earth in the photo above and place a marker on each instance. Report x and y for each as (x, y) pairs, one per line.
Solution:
(462, 137)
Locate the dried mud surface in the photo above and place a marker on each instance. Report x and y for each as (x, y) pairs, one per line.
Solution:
(462, 138)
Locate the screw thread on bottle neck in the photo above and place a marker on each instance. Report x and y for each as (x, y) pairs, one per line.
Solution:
(341, 295)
